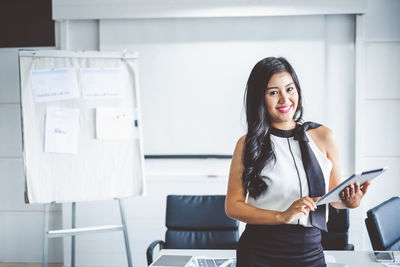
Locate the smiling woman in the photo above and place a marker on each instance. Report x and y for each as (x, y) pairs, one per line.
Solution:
(281, 97)
(279, 169)
(272, 85)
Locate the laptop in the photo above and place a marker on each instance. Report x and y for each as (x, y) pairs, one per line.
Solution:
(172, 261)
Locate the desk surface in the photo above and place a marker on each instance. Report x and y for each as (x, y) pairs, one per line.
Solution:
(351, 258)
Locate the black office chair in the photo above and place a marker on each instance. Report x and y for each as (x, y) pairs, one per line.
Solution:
(197, 222)
(383, 225)
(337, 237)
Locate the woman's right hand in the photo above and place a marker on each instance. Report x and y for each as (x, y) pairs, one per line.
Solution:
(299, 208)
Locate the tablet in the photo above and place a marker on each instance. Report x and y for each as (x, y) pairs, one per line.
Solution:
(333, 195)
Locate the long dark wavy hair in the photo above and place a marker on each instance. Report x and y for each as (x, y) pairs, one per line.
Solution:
(257, 148)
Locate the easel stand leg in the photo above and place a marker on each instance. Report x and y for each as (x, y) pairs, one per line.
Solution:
(80, 231)
(125, 229)
(45, 237)
(73, 225)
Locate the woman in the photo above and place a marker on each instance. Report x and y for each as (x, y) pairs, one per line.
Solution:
(282, 165)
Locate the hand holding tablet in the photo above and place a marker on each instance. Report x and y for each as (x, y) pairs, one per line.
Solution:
(334, 194)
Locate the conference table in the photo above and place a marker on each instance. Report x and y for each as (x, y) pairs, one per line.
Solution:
(333, 258)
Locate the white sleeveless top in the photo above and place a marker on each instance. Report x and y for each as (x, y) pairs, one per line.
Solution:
(286, 183)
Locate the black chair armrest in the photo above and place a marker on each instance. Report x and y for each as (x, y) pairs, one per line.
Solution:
(349, 247)
(150, 250)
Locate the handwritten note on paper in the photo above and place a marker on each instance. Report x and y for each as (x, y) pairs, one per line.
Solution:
(62, 128)
(54, 84)
(101, 83)
(115, 124)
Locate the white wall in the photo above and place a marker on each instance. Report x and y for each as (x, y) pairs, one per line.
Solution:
(364, 120)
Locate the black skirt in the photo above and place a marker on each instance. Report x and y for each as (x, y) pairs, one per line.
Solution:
(280, 245)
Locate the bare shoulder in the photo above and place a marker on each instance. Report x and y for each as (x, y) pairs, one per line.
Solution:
(240, 145)
(237, 157)
(323, 137)
(322, 133)
(241, 140)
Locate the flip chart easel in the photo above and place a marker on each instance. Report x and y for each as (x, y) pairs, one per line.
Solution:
(100, 169)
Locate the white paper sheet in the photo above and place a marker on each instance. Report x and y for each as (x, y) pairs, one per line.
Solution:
(115, 123)
(101, 83)
(54, 84)
(62, 128)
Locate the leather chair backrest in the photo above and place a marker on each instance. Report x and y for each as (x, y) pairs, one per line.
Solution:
(338, 220)
(383, 225)
(199, 222)
(338, 225)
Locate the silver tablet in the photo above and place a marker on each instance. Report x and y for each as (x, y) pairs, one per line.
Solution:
(333, 195)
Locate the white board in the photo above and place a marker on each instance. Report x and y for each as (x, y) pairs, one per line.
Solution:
(98, 169)
(194, 74)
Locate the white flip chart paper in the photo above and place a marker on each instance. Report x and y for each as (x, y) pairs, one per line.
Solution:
(101, 83)
(62, 128)
(54, 84)
(115, 123)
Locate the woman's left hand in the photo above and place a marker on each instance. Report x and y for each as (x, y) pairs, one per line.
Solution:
(352, 194)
